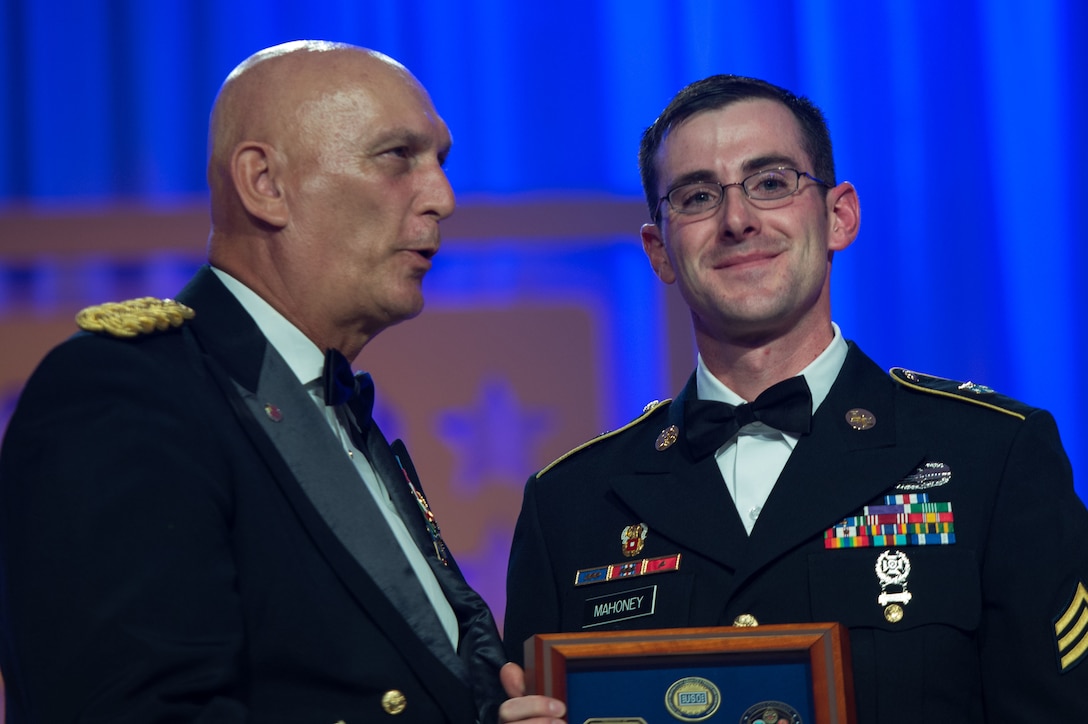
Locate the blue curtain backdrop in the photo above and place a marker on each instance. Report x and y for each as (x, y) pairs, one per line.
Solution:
(959, 122)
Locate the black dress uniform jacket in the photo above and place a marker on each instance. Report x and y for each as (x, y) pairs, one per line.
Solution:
(997, 625)
(184, 540)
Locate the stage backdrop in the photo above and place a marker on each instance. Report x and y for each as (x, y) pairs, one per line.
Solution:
(960, 123)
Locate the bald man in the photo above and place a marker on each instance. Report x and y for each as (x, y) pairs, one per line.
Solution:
(198, 519)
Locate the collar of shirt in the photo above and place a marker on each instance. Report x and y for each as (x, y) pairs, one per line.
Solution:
(301, 354)
(820, 374)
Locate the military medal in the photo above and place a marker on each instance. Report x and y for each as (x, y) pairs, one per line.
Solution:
(627, 569)
(771, 712)
(633, 539)
(892, 569)
(431, 522)
(905, 519)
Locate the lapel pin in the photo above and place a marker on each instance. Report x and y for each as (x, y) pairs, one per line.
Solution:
(273, 412)
(860, 419)
(667, 437)
(633, 539)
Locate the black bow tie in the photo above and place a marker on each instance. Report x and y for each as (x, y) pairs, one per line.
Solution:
(342, 386)
(786, 406)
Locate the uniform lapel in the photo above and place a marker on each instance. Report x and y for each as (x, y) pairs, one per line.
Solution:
(392, 465)
(315, 474)
(480, 648)
(680, 498)
(331, 482)
(835, 469)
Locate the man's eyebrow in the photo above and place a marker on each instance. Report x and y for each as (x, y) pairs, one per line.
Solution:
(749, 167)
(414, 140)
(693, 177)
(760, 163)
(401, 136)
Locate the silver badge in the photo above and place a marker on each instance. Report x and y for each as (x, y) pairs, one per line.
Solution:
(892, 570)
(928, 475)
(976, 388)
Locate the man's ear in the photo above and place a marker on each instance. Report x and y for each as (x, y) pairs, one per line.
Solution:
(255, 170)
(844, 216)
(654, 245)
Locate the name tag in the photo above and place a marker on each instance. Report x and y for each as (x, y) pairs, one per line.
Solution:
(620, 606)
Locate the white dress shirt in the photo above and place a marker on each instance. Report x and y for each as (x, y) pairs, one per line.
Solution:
(752, 461)
(308, 363)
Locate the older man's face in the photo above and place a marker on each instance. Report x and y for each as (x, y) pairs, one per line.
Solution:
(367, 190)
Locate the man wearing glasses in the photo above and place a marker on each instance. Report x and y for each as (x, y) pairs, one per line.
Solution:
(792, 480)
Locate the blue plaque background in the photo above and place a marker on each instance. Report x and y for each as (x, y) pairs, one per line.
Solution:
(640, 691)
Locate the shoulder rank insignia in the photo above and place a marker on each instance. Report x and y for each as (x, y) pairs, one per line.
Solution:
(966, 391)
(1071, 630)
(134, 317)
(647, 411)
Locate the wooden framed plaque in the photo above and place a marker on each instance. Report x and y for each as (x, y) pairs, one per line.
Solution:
(778, 674)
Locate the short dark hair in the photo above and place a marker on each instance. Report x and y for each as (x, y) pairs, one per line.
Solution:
(718, 91)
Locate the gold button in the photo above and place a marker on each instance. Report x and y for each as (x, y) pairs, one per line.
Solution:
(745, 620)
(393, 702)
(893, 613)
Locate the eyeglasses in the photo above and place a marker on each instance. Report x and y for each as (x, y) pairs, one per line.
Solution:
(705, 196)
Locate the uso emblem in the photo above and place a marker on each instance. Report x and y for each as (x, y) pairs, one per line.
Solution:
(693, 698)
